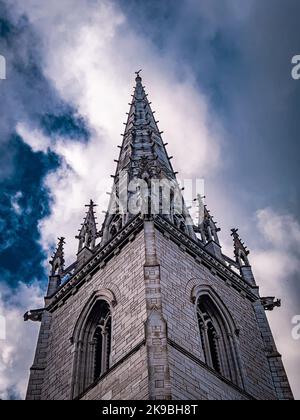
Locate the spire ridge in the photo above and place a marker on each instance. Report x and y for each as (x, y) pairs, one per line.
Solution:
(143, 158)
(138, 74)
(142, 134)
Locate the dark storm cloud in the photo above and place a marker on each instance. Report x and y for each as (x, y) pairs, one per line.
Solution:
(240, 54)
(23, 202)
(26, 96)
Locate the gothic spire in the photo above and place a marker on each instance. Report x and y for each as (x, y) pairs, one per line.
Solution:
(144, 161)
(58, 261)
(143, 153)
(88, 233)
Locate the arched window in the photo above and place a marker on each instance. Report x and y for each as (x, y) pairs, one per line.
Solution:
(102, 342)
(218, 339)
(93, 345)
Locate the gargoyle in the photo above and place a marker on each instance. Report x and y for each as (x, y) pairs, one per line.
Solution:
(34, 315)
(269, 303)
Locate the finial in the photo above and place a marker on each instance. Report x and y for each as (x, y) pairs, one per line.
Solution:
(240, 250)
(238, 242)
(91, 205)
(138, 77)
(207, 227)
(58, 260)
(234, 233)
(88, 232)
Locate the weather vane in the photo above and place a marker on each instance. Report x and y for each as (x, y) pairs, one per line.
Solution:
(138, 73)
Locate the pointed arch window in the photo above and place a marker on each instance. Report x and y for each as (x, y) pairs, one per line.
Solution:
(101, 343)
(93, 347)
(218, 339)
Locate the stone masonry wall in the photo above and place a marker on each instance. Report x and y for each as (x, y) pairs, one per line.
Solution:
(128, 381)
(180, 272)
(192, 382)
(37, 370)
(156, 349)
(124, 276)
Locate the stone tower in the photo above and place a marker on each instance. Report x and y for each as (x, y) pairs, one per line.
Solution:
(151, 308)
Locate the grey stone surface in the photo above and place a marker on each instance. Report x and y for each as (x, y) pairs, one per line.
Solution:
(156, 349)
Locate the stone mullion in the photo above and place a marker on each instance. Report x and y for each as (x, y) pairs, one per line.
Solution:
(207, 355)
(222, 355)
(90, 363)
(104, 350)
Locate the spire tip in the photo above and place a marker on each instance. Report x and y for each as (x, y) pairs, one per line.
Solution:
(138, 77)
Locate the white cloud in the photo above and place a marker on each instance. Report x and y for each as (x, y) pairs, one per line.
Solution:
(282, 231)
(90, 58)
(90, 55)
(34, 137)
(15, 202)
(274, 265)
(17, 350)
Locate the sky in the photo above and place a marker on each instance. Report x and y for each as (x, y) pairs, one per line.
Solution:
(218, 74)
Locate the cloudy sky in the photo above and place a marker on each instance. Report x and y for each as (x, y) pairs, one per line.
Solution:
(218, 73)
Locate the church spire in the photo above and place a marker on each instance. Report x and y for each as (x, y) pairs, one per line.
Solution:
(143, 151)
(143, 168)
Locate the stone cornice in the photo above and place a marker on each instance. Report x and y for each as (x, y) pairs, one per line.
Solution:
(97, 261)
(103, 254)
(193, 248)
